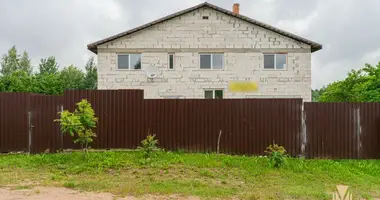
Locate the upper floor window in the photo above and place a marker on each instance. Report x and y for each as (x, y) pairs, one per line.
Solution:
(129, 61)
(275, 61)
(211, 61)
(171, 61)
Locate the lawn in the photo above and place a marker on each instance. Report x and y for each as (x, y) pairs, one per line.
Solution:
(204, 175)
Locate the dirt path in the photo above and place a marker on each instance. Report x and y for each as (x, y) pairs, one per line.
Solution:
(39, 193)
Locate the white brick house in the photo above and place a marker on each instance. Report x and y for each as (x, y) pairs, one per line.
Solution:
(196, 52)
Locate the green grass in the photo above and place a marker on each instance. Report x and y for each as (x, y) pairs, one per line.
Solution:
(203, 175)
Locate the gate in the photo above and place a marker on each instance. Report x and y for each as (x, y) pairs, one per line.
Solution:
(45, 134)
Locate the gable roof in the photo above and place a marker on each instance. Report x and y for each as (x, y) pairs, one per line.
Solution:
(314, 46)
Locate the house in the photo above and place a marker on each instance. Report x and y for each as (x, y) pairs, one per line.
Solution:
(197, 52)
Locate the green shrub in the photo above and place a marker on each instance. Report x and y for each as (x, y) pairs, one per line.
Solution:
(80, 123)
(148, 146)
(276, 155)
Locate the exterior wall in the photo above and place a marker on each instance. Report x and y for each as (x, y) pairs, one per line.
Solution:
(242, 43)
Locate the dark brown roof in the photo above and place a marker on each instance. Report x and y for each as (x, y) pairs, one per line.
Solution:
(314, 46)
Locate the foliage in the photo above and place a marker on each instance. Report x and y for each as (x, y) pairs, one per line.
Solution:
(91, 76)
(276, 155)
(17, 81)
(25, 63)
(317, 93)
(80, 123)
(148, 146)
(72, 78)
(17, 75)
(361, 85)
(47, 83)
(48, 66)
(10, 61)
(203, 175)
(13, 61)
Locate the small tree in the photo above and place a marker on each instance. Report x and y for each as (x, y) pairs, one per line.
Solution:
(277, 155)
(148, 146)
(79, 124)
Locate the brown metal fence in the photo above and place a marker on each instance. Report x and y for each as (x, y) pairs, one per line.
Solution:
(247, 126)
(343, 130)
(14, 127)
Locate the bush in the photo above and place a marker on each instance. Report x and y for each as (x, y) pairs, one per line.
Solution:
(148, 146)
(80, 123)
(276, 155)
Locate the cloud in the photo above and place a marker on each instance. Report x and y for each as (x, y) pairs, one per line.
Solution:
(348, 29)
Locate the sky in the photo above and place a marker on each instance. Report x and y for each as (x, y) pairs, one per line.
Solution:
(349, 30)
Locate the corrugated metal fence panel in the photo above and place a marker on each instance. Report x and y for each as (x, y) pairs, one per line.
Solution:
(370, 130)
(120, 114)
(248, 126)
(14, 122)
(46, 133)
(332, 130)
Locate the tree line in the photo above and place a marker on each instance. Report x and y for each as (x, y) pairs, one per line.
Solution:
(362, 85)
(17, 74)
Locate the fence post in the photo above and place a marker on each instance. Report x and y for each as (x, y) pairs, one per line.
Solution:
(61, 134)
(358, 131)
(30, 127)
(303, 131)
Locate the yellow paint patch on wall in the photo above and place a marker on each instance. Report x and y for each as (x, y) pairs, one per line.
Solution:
(243, 86)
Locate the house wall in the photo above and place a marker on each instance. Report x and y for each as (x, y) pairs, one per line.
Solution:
(242, 43)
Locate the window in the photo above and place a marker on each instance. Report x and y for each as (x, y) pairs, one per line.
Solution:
(129, 61)
(213, 94)
(205, 17)
(171, 61)
(211, 61)
(274, 61)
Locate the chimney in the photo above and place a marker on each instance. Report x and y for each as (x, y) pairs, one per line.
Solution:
(236, 8)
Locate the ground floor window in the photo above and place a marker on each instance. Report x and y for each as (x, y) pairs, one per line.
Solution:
(213, 94)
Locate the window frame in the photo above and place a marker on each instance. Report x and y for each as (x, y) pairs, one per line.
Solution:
(171, 54)
(129, 61)
(213, 92)
(275, 62)
(211, 60)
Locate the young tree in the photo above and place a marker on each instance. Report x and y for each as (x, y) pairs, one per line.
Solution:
(24, 63)
(9, 62)
(48, 65)
(79, 124)
(91, 77)
(12, 62)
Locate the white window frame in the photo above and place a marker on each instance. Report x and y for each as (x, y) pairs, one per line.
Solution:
(211, 59)
(275, 63)
(129, 60)
(213, 92)
(171, 54)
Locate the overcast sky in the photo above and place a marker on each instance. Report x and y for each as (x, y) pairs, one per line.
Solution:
(349, 30)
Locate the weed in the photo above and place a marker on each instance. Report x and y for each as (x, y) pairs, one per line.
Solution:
(70, 184)
(277, 155)
(23, 187)
(148, 146)
(206, 173)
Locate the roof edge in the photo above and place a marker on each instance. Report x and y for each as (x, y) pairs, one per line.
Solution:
(314, 46)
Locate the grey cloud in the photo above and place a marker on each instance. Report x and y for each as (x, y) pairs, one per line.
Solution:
(348, 29)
